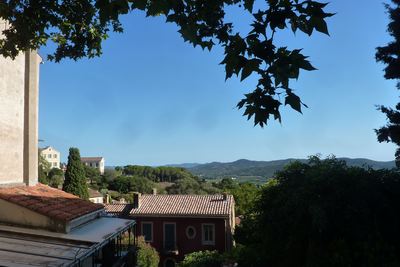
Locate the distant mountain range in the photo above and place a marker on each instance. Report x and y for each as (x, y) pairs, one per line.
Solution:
(184, 165)
(264, 169)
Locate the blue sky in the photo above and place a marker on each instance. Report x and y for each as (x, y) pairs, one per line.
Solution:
(153, 99)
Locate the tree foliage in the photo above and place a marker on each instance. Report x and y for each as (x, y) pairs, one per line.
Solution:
(203, 258)
(125, 184)
(92, 174)
(157, 174)
(324, 213)
(245, 194)
(147, 256)
(56, 177)
(390, 56)
(192, 185)
(43, 169)
(77, 29)
(75, 181)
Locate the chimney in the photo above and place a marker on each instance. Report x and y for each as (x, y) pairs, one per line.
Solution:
(154, 191)
(136, 200)
(108, 198)
(224, 196)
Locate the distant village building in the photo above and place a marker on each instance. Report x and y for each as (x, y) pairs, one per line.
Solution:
(94, 162)
(95, 196)
(40, 225)
(51, 155)
(176, 225)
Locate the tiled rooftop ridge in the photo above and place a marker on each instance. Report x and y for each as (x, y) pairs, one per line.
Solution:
(178, 205)
(48, 201)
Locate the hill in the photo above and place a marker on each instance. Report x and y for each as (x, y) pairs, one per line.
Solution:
(265, 169)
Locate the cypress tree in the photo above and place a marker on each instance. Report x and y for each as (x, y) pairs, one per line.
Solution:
(75, 181)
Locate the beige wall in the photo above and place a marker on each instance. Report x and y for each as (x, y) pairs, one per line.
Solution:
(25, 217)
(12, 79)
(18, 118)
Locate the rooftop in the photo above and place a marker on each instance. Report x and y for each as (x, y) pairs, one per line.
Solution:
(118, 209)
(184, 205)
(91, 158)
(31, 247)
(48, 201)
(94, 193)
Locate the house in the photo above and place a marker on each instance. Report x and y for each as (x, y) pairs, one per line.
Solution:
(94, 162)
(51, 155)
(40, 225)
(95, 196)
(176, 225)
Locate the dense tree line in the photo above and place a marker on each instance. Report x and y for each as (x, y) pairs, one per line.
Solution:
(244, 194)
(125, 184)
(324, 213)
(157, 174)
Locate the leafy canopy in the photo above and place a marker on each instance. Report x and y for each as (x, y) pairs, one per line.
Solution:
(390, 56)
(205, 258)
(43, 169)
(324, 213)
(77, 29)
(147, 256)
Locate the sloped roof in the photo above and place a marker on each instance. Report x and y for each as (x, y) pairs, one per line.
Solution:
(184, 205)
(47, 147)
(94, 193)
(48, 201)
(118, 209)
(91, 158)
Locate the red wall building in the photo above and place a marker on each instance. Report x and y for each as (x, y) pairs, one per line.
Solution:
(176, 225)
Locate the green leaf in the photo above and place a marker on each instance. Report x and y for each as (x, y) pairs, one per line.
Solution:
(321, 26)
(139, 4)
(293, 101)
(306, 65)
(248, 4)
(250, 66)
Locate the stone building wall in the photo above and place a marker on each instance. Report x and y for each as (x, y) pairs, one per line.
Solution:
(18, 117)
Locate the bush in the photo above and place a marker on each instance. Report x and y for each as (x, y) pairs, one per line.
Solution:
(147, 256)
(204, 258)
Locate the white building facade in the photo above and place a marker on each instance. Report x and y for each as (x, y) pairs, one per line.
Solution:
(94, 162)
(51, 155)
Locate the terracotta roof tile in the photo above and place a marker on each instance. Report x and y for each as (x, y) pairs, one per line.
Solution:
(49, 201)
(184, 205)
(176, 205)
(118, 209)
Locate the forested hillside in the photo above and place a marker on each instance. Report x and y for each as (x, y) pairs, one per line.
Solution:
(266, 169)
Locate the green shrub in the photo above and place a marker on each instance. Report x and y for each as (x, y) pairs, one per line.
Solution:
(204, 258)
(147, 256)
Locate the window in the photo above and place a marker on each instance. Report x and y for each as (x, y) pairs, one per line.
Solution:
(170, 236)
(208, 235)
(190, 232)
(97, 164)
(55, 156)
(49, 156)
(55, 164)
(147, 231)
